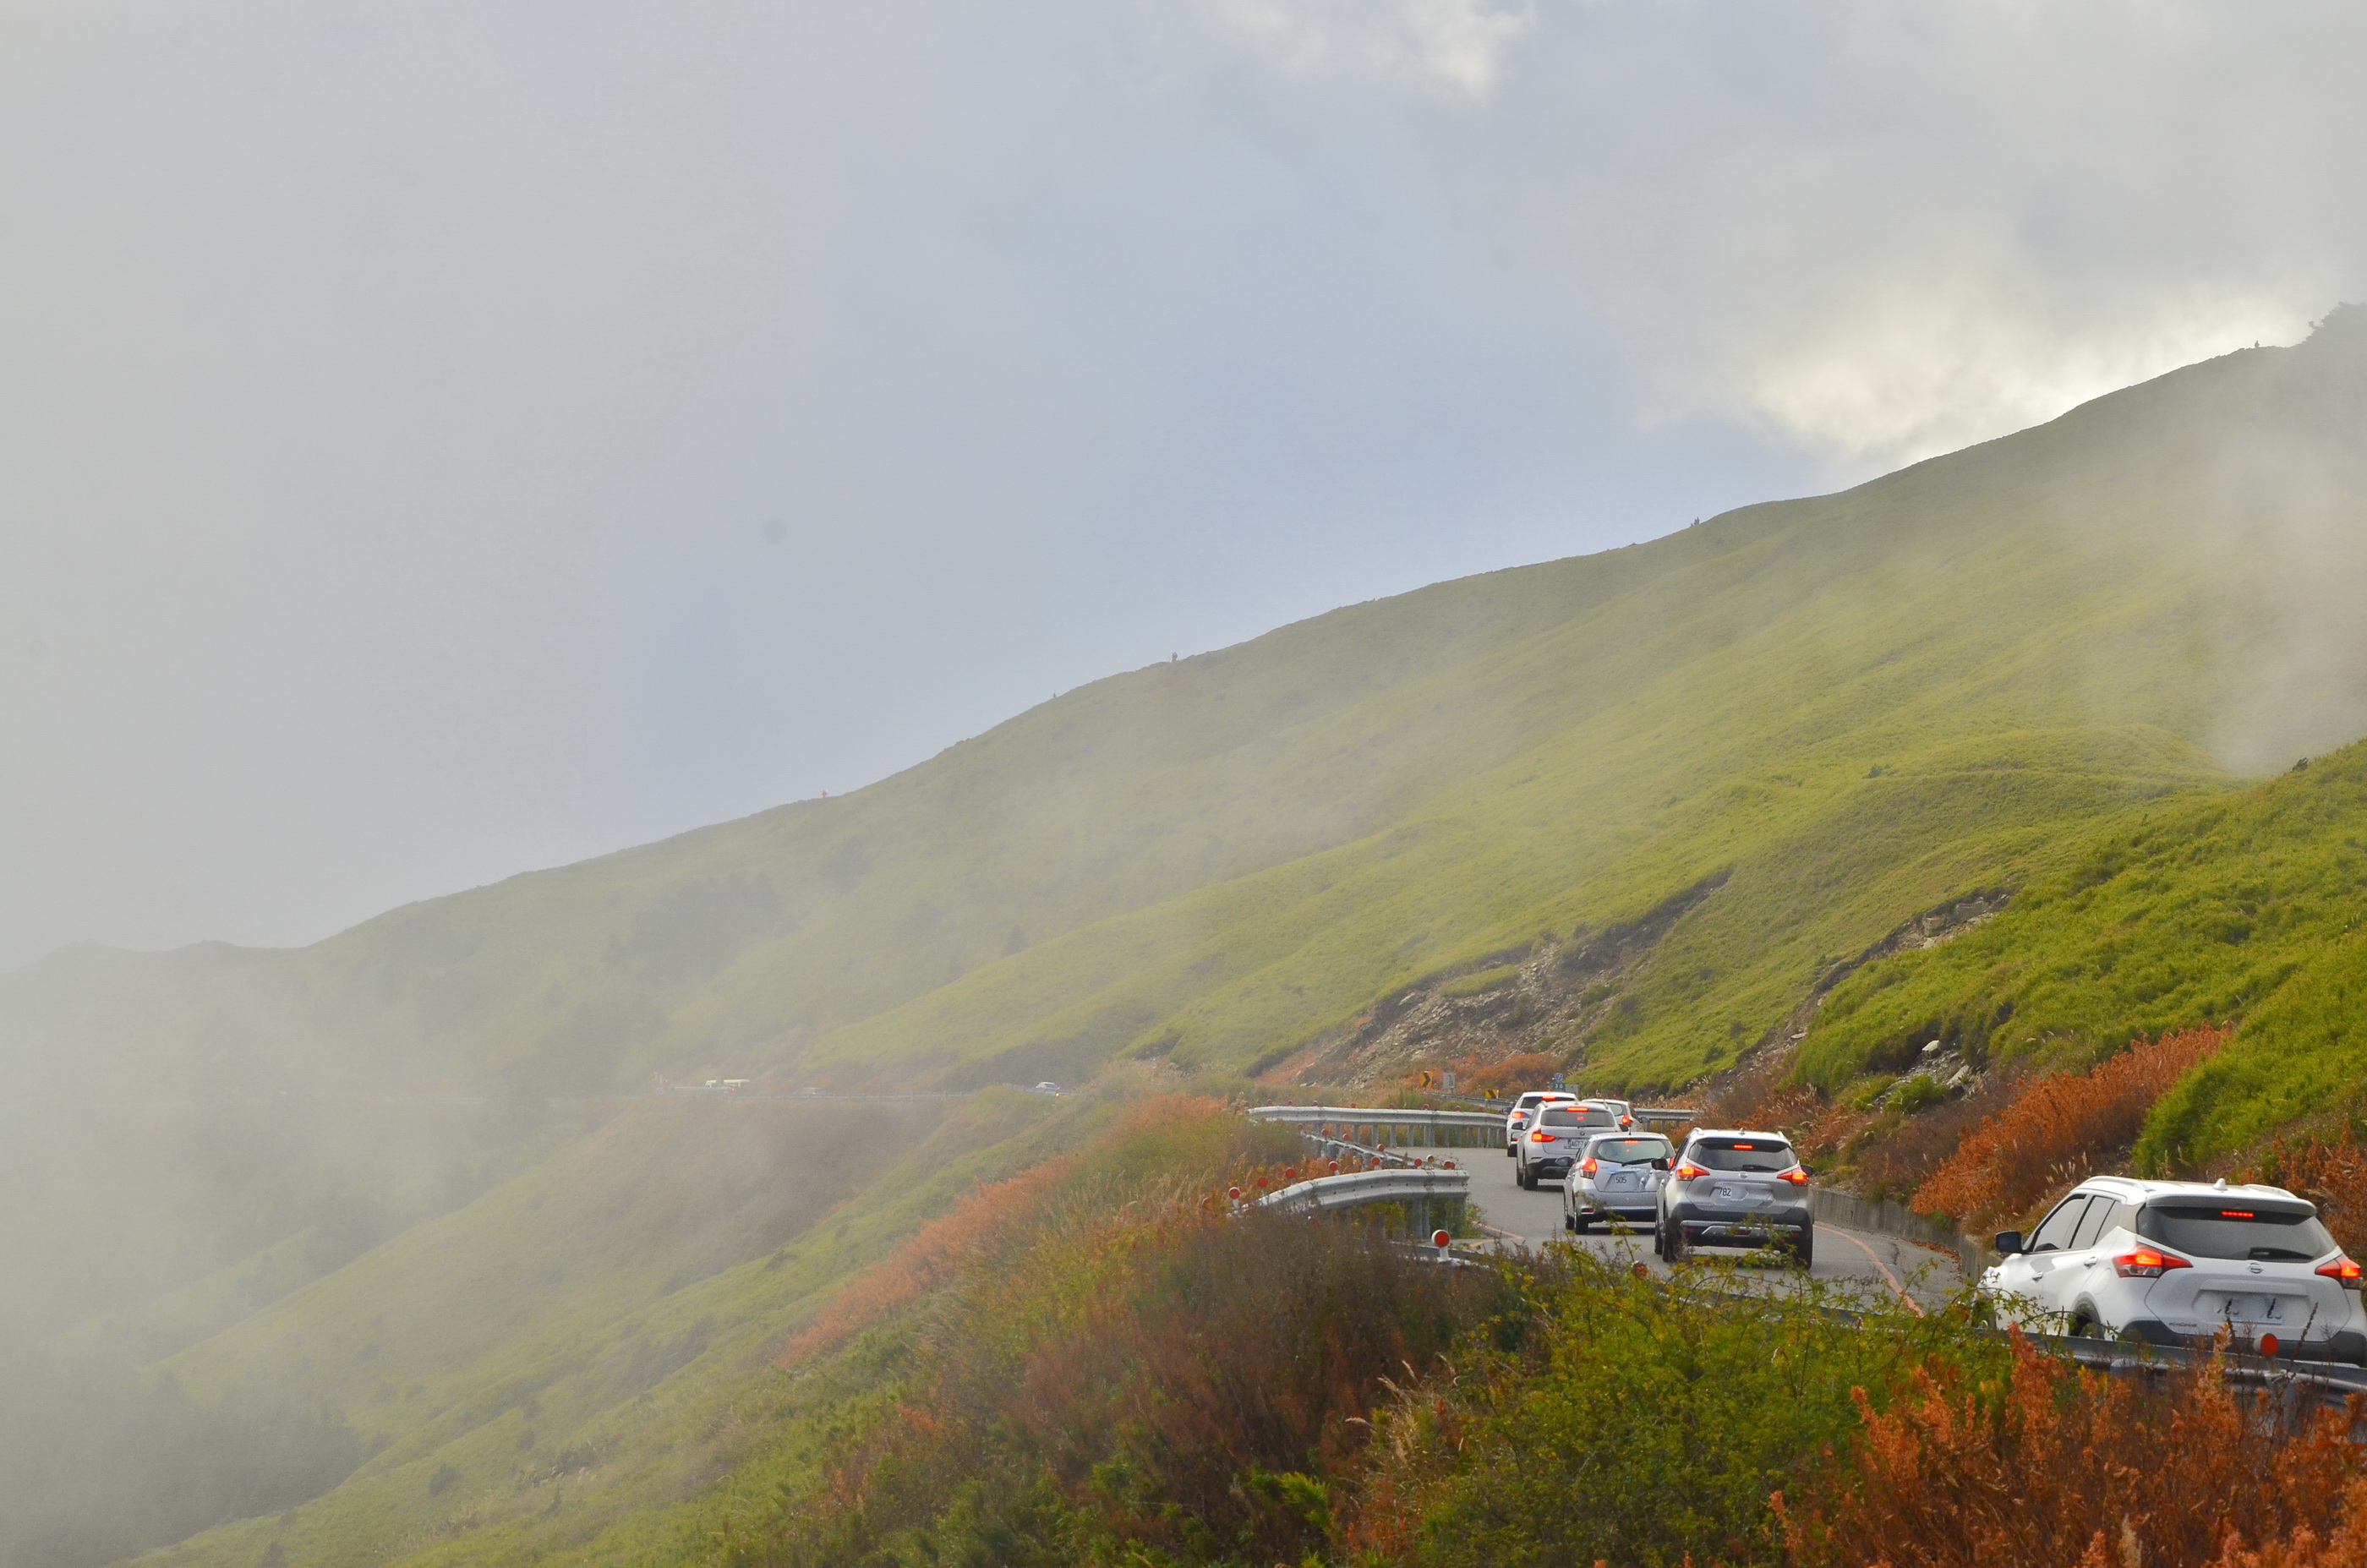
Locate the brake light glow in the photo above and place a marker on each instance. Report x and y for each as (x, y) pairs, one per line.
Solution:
(2147, 1263)
(1587, 1168)
(2238, 1214)
(1795, 1175)
(1687, 1171)
(2342, 1271)
(1541, 1137)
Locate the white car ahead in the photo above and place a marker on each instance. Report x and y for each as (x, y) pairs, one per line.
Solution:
(1516, 1121)
(2177, 1262)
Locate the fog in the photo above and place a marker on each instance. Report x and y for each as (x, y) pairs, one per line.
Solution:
(447, 440)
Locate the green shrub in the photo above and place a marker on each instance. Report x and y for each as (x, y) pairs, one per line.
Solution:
(1637, 1422)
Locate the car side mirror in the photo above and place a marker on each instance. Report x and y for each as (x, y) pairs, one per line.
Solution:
(1661, 1162)
(2007, 1243)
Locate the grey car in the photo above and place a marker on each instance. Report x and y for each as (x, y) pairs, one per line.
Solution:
(1617, 1177)
(1550, 1146)
(1736, 1188)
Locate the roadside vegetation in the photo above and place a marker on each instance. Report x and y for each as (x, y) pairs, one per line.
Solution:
(1093, 1363)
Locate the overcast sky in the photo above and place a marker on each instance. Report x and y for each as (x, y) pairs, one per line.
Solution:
(442, 440)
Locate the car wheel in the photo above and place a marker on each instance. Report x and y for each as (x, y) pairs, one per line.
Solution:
(1804, 1251)
(1677, 1250)
(1580, 1225)
(2086, 1327)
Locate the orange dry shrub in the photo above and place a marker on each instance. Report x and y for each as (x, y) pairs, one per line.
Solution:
(2060, 1467)
(977, 1226)
(981, 1224)
(1524, 1072)
(2062, 1129)
(2331, 1170)
(1925, 1141)
(1761, 1095)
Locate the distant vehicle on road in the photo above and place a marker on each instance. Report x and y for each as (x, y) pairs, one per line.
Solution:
(1547, 1150)
(1516, 1121)
(2178, 1262)
(1047, 1087)
(1619, 1177)
(1735, 1188)
(1622, 1109)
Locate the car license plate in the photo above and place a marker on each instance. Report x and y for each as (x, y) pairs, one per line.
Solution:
(1623, 1182)
(1731, 1194)
(2254, 1309)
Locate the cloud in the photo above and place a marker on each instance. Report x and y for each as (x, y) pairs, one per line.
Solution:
(1455, 46)
(399, 394)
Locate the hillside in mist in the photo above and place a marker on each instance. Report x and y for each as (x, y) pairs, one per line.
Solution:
(1850, 707)
(382, 1246)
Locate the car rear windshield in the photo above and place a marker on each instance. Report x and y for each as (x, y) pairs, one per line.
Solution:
(1592, 1116)
(1744, 1154)
(2235, 1230)
(1629, 1151)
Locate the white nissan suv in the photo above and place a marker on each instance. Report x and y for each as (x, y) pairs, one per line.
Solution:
(2177, 1262)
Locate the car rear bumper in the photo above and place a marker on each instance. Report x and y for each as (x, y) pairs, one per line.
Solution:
(1733, 1227)
(1640, 1208)
(2347, 1344)
(1547, 1167)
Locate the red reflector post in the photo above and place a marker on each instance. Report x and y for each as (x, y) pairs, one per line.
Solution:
(1439, 1239)
(2268, 1345)
(2145, 1263)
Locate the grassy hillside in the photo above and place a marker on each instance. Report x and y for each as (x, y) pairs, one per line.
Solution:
(402, 1185)
(1857, 705)
(583, 1343)
(2232, 906)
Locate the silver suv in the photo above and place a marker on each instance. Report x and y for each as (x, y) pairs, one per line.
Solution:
(1550, 1148)
(1619, 1177)
(1735, 1188)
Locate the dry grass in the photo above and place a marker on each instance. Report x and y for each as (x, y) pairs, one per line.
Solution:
(2331, 1170)
(1506, 1075)
(2060, 1467)
(2065, 1127)
(1908, 1157)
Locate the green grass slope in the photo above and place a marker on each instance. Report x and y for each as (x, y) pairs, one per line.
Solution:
(1855, 704)
(579, 1346)
(2231, 907)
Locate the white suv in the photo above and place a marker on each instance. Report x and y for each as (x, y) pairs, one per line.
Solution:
(2175, 1262)
(1516, 1121)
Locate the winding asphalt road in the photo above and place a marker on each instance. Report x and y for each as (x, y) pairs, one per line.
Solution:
(1922, 1274)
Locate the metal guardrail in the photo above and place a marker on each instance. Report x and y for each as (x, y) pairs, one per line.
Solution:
(1374, 1116)
(1409, 1187)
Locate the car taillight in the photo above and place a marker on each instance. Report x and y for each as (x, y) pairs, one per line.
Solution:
(2145, 1263)
(1541, 1137)
(1687, 1171)
(1796, 1176)
(1587, 1168)
(2342, 1271)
